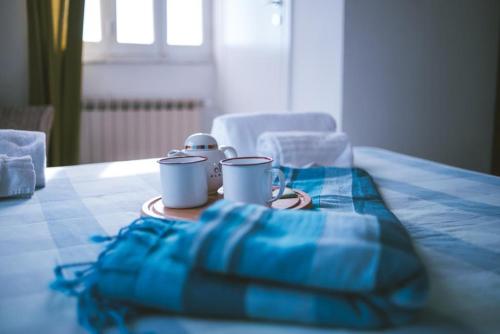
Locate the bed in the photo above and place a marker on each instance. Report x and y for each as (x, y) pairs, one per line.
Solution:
(452, 214)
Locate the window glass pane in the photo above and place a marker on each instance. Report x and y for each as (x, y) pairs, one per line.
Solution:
(184, 22)
(134, 21)
(92, 21)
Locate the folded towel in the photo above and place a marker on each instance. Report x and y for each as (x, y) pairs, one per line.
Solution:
(17, 143)
(305, 149)
(350, 264)
(17, 176)
(242, 130)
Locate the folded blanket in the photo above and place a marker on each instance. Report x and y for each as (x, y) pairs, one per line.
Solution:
(18, 143)
(305, 148)
(17, 176)
(348, 262)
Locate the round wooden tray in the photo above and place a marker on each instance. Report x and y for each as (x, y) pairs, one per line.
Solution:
(155, 208)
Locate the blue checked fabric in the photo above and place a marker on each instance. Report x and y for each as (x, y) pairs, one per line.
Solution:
(348, 262)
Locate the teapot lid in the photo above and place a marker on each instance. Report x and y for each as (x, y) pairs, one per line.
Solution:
(200, 141)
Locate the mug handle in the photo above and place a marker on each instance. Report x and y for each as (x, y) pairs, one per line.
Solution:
(281, 178)
(230, 149)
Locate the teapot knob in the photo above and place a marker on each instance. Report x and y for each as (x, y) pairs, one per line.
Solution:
(176, 153)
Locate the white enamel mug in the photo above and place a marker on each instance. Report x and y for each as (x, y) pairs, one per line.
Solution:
(249, 180)
(184, 181)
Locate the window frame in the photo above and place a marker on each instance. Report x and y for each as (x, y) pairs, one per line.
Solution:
(108, 50)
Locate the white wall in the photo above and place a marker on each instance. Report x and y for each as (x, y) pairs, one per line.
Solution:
(13, 53)
(297, 66)
(317, 50)
(148, 80)
(252, 56)
(420, 76)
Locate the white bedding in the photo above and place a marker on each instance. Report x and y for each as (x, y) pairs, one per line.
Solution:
(452, 214)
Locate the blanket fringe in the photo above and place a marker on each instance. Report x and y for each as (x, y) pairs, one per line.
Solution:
(95, 312)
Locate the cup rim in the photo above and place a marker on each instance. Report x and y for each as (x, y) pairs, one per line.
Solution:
(227, 162)
(169, 160)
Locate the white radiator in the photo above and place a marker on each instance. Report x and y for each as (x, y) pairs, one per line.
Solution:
(113, 130)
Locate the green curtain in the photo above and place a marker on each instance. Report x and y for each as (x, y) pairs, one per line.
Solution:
(55, 29)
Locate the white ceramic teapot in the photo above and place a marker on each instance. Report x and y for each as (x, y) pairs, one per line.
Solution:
(203, 144)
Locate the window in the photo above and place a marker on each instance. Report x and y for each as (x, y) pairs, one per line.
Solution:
(185, 22)
(92, 31)
(134, 22)
(155, 30)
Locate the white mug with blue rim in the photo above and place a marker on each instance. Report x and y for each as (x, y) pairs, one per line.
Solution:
(249, 180)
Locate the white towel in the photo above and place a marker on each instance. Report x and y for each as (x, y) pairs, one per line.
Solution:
(17, 176)
(17, 143)
(305, 149)
(242, 130)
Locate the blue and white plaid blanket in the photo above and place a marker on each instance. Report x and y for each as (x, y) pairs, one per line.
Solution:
(348, 262)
